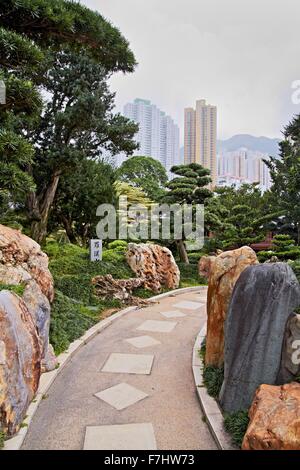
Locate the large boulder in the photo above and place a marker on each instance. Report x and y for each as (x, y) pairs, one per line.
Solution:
(263, 299)
(222, 271)
(155, 264)
(20, 360)
(21, 259)
(274, 419)
(23, 262)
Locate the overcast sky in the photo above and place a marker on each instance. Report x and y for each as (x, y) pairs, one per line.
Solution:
(241, 55)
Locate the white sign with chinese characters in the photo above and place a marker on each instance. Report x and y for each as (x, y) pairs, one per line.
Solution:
(2, 92)
(95, 250)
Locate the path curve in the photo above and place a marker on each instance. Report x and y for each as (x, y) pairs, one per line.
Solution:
(167, 414)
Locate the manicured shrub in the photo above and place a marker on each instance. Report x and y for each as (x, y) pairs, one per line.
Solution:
(236, 425)
(120, 245)
(113, 256)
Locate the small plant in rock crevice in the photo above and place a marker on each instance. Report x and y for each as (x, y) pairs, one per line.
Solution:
(236, 425)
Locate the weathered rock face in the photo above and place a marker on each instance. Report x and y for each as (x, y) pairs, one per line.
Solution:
(106, 287)
(263, 299)
(20, 360)
(21, 259)
(205, 265)
(24, 324)
(155, 264)
(290, 360)
(274, 419)
(223, 272)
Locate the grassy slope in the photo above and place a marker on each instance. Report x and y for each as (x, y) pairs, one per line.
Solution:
(76, 308)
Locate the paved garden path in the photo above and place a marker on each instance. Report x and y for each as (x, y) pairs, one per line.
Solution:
(131, 387)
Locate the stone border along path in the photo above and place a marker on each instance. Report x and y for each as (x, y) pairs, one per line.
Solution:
(128, 388)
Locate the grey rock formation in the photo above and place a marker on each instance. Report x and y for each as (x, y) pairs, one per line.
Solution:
(263, 299)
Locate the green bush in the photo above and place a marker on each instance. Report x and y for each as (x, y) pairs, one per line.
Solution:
(189, 275)
(236, 425)
(281, 255)
(19, 289)
(295, 265)
(213, 379)
(119, 245)
(69, 321)
(2, 439)
(194, 256)
(113, 256)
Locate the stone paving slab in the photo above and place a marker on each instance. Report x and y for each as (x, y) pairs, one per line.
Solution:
(129, 363)
(188, 304)
(142, 341)
(120, 437)
(157, 326)
(121, 396)
(173, 314)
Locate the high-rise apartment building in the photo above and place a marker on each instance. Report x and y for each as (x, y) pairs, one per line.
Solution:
(243, 166)
(158, 135)
(200, 137)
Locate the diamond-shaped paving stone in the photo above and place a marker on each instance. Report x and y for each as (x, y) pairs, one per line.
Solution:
(173, 314)
(120, 437)
(129, 363)
(157, 326)
(188, 304)
(121, 396)
(142, 341)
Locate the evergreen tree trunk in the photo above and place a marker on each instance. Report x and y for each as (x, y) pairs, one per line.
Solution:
(39, 210)
(182, 252)
(67, 223)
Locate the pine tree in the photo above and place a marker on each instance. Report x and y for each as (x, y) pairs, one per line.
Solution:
(190, 187)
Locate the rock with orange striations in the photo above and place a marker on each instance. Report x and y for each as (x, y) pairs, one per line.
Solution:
(23, 262)
(20, 360)
(21, 259)
(205, 265)
(274, 419)
(155, 264)
(223, 272)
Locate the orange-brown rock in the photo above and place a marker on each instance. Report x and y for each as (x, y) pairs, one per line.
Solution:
(223, 272)
(274, 419)
(155, 264)
(20, 360)
(21, 259)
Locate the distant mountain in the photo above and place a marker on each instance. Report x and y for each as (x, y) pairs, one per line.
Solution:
(256, 144)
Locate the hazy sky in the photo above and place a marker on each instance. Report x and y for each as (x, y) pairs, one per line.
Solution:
(241, 55)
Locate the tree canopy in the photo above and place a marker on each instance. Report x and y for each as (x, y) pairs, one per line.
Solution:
(145, 173)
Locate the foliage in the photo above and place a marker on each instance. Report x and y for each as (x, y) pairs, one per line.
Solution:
(2, 439)
(145, 173)
(69, 320)
(236, 425)
(283, 248)
(188, 187)
(295, 265)
(65, 52)
(189, 276)
(213, 379)
(77, 198)
(285, 174)
(244, 214)
(18, 289)
(194, 256)
(119, 245)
